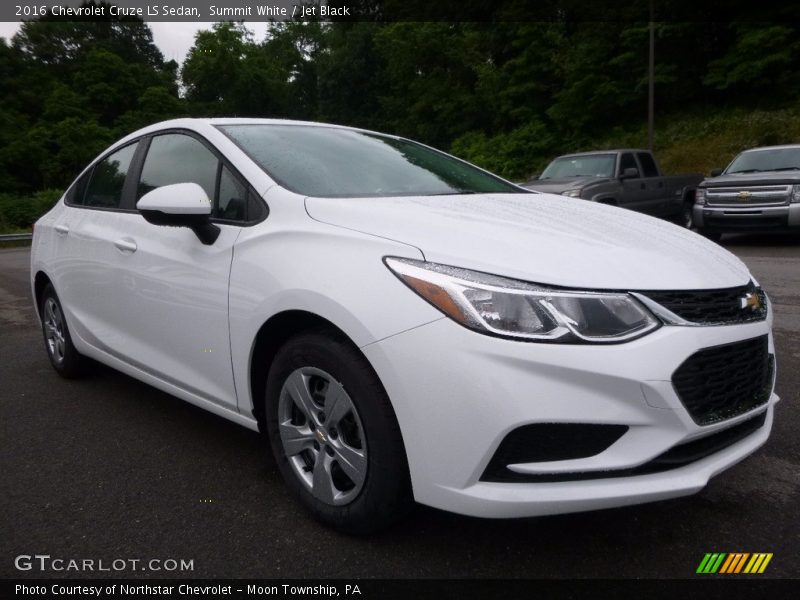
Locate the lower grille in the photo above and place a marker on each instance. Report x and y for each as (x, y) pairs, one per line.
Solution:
(722, 306)
(738, 221)
(725, 381)
(674, 458)
(544, 442)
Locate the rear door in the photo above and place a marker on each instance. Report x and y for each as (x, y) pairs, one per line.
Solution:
(83, 254)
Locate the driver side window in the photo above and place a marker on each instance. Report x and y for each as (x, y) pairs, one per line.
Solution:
(627, 161)
(179, 158)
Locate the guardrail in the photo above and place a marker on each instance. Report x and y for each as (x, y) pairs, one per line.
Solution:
(16, 237)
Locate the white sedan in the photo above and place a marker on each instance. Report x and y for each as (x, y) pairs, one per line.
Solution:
(405, 326)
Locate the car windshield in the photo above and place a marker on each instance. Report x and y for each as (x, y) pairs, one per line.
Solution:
(334, 162)
(587, 165)
(776, 159)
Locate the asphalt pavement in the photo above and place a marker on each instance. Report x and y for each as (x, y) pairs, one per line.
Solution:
(107, 468)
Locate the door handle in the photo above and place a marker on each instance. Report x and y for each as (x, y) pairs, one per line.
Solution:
(643, 186)
(62, 229)
(126, 246)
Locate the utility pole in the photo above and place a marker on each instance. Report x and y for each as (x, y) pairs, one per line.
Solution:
(651, 83)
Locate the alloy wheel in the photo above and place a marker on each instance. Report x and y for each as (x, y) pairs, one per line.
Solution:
(322, 436)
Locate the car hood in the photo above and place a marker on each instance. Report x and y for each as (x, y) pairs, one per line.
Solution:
(556, 186)
(763, 178)
(542, 238)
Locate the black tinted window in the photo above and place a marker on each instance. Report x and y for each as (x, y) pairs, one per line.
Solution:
(327, 161)
(648, 164)
(177, 158)
(104, 189)
(626, 161)
(231, 203)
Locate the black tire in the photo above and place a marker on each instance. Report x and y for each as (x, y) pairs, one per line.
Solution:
(714, 236)
(686, 216)
(66, 360)
(384, 495)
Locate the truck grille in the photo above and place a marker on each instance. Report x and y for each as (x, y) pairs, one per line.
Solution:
(760, 195)
(717, 307)
(725, 381)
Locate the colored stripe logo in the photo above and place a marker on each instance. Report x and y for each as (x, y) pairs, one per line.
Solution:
(734, 562)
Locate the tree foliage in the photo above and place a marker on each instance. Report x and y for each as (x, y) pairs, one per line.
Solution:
(506, 95)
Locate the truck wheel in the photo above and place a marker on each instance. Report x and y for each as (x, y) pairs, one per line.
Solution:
(687, 215)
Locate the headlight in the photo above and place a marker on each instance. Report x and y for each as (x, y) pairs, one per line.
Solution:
(700, 196)
(795, 194)
(509, 308)
(572, 193)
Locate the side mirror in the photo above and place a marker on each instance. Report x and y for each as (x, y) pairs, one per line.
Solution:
(629, 173)
(716, 172)
(180, 205)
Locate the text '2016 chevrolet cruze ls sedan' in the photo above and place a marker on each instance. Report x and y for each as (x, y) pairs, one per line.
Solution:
(405, 326)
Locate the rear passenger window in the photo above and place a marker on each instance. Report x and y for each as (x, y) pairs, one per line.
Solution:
(104, 189)
(176, 158)
(648, 164)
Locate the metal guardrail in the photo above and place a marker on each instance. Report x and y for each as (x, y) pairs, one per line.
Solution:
(16, 237)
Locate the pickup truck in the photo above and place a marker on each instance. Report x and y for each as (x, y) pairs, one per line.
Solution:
(629, 178)
(758, 191)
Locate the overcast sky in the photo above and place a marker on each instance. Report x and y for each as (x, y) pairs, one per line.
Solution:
(173, 39)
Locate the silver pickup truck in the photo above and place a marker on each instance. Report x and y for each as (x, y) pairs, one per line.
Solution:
(629, 178)
(758, 191)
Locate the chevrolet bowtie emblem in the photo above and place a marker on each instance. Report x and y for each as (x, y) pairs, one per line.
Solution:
(744, 195)
(751, 301)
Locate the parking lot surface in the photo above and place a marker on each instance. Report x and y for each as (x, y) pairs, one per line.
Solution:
(106, 468)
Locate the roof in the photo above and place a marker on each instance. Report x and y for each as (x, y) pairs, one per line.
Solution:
(609, 151)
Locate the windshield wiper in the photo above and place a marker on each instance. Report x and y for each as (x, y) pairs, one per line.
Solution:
(746, 171)
(787, 169)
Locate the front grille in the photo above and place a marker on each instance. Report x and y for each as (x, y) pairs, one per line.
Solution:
(757, 195)
(714, 306)
(674, 458)
(725, 381)
(731, 221)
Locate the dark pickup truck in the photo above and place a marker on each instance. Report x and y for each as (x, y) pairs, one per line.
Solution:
(758, 191)
(629, 178)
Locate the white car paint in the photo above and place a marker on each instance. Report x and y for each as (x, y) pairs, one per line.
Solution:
(157, 304)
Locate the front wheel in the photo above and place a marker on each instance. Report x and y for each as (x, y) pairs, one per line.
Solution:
(334, 434)
(687, 215)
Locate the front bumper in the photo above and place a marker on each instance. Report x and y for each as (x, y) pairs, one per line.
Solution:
(457, 394)
(747, 218)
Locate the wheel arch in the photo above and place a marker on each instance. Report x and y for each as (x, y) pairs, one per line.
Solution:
(272, 334)
(40, 282)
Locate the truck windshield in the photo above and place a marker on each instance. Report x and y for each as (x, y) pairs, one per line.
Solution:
(773, 159)
(586, 165)
(333, 162)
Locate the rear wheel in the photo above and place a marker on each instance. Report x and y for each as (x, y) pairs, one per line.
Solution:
(334, 434)
(66, 360)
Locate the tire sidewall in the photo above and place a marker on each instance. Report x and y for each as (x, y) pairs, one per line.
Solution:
(387, 472)
(72, 365)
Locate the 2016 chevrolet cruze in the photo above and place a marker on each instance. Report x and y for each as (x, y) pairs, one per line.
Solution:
(405, 326)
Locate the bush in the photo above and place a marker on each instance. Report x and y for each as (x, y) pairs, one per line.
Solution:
(22, 212)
